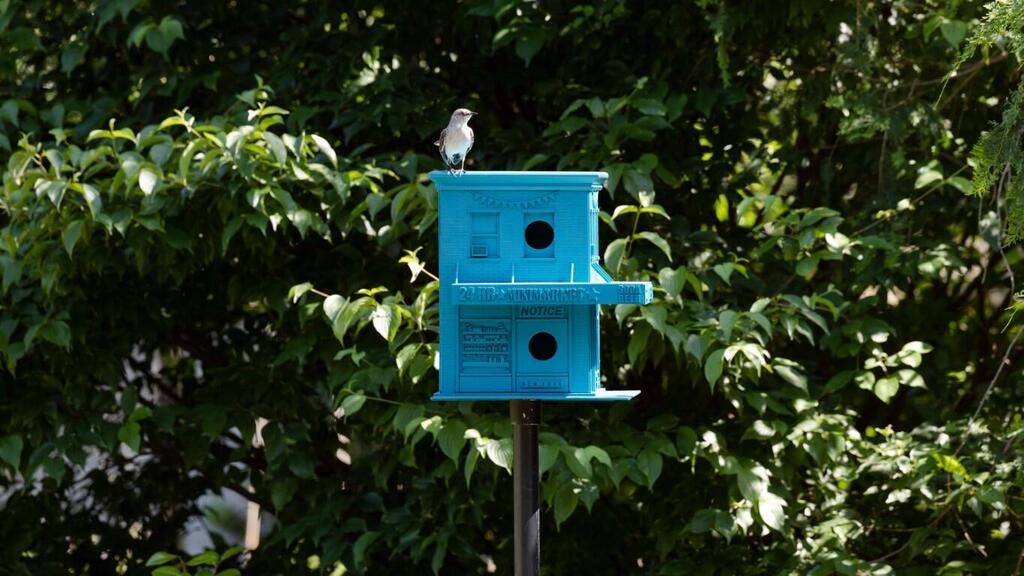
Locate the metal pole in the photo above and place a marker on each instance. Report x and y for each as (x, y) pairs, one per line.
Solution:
(525, 467)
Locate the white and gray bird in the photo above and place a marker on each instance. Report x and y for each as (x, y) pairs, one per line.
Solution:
(456, 141)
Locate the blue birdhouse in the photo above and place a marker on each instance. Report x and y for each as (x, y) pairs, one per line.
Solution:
(520, 286)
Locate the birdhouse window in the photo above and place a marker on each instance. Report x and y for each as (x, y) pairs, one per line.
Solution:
(539, 234)
(483, 235)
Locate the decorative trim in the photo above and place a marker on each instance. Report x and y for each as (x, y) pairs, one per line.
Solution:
(494, 202)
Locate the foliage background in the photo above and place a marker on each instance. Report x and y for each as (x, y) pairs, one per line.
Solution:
(215, 214)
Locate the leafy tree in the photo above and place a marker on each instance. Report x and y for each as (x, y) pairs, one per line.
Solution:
(217, 249)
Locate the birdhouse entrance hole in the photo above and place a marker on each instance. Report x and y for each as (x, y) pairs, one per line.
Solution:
(543, 346)
(539, 235)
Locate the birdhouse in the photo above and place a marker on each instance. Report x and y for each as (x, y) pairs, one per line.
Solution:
(520, 286)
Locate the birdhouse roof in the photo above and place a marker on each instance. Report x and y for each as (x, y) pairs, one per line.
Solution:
(519, 180)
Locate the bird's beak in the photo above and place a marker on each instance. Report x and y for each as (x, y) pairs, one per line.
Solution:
(473, 114)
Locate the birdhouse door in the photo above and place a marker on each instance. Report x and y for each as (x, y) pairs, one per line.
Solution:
(542, 352)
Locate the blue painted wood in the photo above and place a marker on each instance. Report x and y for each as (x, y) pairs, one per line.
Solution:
(520, 286)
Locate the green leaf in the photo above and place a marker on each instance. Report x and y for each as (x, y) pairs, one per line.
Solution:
(130, 434)
(10, 450)
(437, 560)
(752, 481)
(55, 468)
(52, 189)
(56, 332)
(650, 463)
(161, 152)
(148, 180)
(362, 543)
(159, 38)
(160, 558)
(886, 388)
(724, 271)
(952, 465)
(613, 254)
(726, 320)
(807, 267)
(910, 378)
(702, 521)
(93, 199)
(918, 346)
(353, 403)
(472, 456)
(282, 491)
(658, 241)
(385, 321)
(167, 571)
(276, 147)
(672, 281)
(72, 56)
(649, 106)
(713, 367)
(12, 272)
(452, 438)
(171, 28)
(326, 149)
(547, 457)
(770, 509)
(624, 209)
(722, 208)
(185, 161)
(760, 430)
(953, 31)
(208, 558)
(296, 292)
(991, 496)
(566, 501)
(599, 454)
(910, 358)
(686, 441)
(790, 373)
(637, 182)
(865, 380)
(140, 413)
(229, 232)
(926, 177)
(838, 381)
(9, 112)
(352, 312)
(529, 43)
(500, 452)
(962, 184)
(333, 305)
(637, 347)
(655, 314)
(71, 235)
(578, 461)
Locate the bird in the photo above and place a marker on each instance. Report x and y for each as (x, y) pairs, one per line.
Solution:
(456, 141)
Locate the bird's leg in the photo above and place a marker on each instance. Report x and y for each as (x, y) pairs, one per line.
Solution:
(451, 169)
(462, 168)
